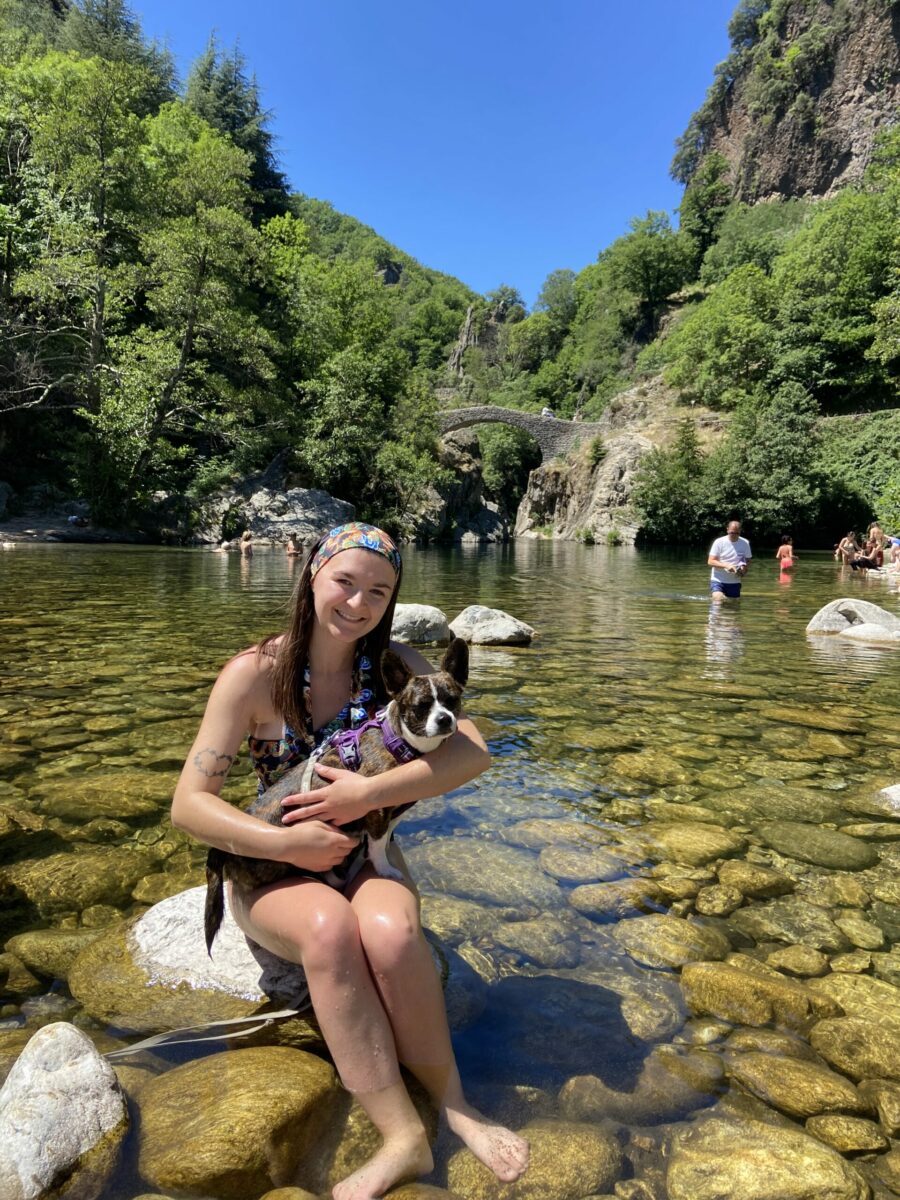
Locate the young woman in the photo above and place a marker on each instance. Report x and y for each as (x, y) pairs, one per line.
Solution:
(785, 553)
(848, 548)
(371, 978)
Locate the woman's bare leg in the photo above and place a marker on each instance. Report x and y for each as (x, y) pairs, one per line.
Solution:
(410, 991)
(309, 923)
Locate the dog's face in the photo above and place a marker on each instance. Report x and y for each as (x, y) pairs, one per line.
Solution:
(428, 705)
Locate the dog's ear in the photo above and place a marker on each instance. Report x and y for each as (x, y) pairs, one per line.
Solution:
(395, 673)
(456, 661)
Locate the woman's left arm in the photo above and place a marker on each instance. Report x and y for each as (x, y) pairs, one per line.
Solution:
(349, 796)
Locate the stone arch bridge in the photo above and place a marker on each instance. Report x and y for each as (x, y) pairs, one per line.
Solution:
(553, 436)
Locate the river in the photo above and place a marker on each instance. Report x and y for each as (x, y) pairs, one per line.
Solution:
(640, 710)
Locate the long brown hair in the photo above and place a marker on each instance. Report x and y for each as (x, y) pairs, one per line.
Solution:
(292, 653)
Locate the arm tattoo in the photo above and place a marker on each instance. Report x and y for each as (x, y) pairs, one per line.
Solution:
(211, 763)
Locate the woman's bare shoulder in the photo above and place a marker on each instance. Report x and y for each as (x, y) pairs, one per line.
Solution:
(414, 660)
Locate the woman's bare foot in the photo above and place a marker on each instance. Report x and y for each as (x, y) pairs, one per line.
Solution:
(406, 1156)
(501, 1150)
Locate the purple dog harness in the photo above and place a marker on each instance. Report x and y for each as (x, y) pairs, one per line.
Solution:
(346, 742)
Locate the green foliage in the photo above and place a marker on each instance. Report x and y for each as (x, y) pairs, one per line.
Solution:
(650, 262)
(670, 492)
(613, 537)
(705, 203)
(752, 234)
(596, 451)
(887, 505)
(722, 350)
(857, 457)
(508, 457)
(766, 468)
(219, 90)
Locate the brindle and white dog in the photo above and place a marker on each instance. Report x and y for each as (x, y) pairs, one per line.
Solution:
(423, 712)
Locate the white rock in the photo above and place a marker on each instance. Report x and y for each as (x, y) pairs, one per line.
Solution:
(838, 616)
(490, 627)
(868, 631)
(420, 624)
(168, 943)
(60, 1100)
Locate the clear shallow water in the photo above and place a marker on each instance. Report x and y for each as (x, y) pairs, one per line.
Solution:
(637, 695)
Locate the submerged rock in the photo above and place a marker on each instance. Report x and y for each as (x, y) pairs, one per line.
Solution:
(884, 1097)
(760, 883)
(670, 1085)
(746, 998)
(568, 1162)
(237, 1123)
(848, 1135)
(623, 898)
(692, 842)
(791, 920)
(862, 996)
(732, 1159)
(822, 847)
(798, 1088)
(484, 871)
(861, 1049)
(78, 879)
(667, 941)
(62, 1118)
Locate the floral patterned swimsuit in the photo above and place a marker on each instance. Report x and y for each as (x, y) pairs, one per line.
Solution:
(273, 757)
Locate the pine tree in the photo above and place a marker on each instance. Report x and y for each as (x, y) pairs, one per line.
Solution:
(220, 91)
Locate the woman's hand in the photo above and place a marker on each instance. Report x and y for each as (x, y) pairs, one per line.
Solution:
(316, 846)
(346, 798)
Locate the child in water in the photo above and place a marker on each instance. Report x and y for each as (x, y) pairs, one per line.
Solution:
(785, 553)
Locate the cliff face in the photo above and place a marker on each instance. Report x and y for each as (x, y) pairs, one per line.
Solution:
(585, 495)
(796, 107)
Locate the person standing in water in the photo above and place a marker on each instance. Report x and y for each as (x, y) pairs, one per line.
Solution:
(785, 554)
(372, 981)
(729, 558)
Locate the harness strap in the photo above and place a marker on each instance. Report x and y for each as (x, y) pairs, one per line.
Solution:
(346, 742)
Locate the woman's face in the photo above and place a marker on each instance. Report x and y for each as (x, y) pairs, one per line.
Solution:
(351, 593)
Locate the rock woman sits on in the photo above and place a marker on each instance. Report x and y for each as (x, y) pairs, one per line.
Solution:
(372, 981)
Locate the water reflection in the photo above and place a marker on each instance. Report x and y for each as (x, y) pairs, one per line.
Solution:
(724, 639)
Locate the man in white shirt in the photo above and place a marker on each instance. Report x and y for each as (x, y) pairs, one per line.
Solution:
(729, 558)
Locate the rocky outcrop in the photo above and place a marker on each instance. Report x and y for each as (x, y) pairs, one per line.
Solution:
(588, 495)
(457, 511)
(796, 111)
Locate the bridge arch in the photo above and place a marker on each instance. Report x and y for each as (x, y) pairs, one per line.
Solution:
(554, 436)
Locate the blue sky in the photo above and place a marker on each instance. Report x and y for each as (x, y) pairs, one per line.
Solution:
(494, 141)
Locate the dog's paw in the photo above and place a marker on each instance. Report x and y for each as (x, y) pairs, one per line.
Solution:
(386, 871)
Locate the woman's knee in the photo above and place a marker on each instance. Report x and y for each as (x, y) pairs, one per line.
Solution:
(390, 935)
(330, 935)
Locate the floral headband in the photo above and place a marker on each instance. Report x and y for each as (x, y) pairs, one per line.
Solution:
(355, 536)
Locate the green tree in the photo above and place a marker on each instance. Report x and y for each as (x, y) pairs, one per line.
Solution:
(723, 350)
(755, 234)
(766, 467)
(650, 262)
(220, 91)
(704, 204)
(669, 491)
(109, 30)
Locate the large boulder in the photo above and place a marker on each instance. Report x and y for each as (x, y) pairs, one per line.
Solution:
(237, 1123)
(490, 627)
(420, 624)
(746, 998)
(798, 1088)
(721, 1159)
(62, 1118)
(568, 1161)
(859, 1048)
(856, 618)
(156, 974)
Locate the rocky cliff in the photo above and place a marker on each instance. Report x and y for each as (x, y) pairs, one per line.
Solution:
(587, 495)
(796, 107)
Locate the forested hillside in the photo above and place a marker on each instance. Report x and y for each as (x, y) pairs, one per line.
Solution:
(783, 314)
(171, 315)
